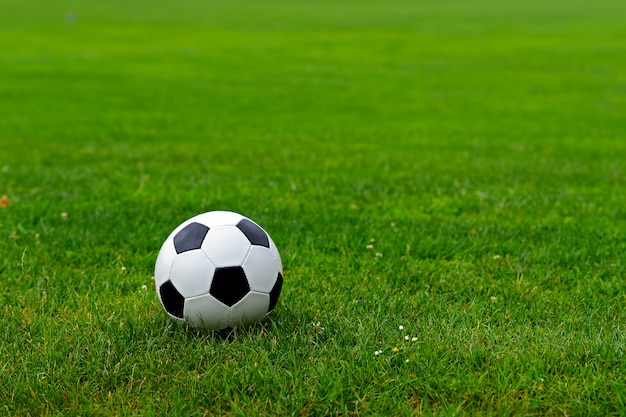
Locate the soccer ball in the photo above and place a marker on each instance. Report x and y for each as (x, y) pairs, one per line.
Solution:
(218, 270)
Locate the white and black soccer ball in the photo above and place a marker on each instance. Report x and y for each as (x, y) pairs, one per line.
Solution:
(218, 270)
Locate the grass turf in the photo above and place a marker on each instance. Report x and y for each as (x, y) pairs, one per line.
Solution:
(455, 168)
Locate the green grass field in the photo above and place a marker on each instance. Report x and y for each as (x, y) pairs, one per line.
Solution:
(454, 168)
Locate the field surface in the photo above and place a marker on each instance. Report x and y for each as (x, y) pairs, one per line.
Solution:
(445, 180)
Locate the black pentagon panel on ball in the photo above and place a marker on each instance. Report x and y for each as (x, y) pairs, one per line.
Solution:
(190, 237)
(275, 293)
(229, 285)
(254, 233)
(173, 301)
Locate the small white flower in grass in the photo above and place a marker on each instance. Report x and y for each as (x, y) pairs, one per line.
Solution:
(414, 339)
(379, 255)
(64, 216)
(319, 329)
(378, 352)
(493, 298)
(370, 246)
(144, 288)
(496, 257)
(401, 327)
(406, 338)
(407, 361)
